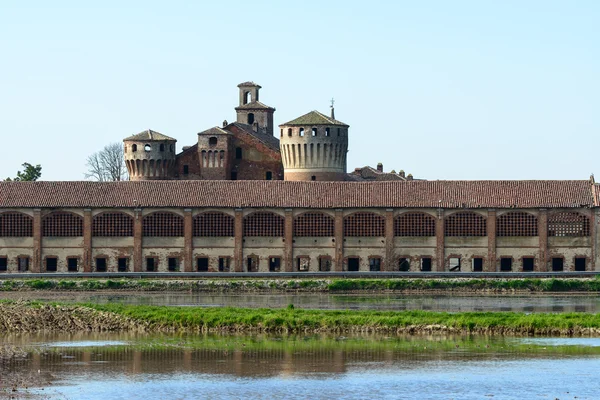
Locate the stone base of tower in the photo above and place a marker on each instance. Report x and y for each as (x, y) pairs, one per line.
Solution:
(314, 176)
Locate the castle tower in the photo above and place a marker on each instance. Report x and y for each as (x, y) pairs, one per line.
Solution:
(253, 112)
(313, 148)
(150, 155)
(214, 153)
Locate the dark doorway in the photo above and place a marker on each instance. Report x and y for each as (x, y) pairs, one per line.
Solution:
(353, 264)
(557, 264)
(403, 265)
(72, 264)
(506, 264)
(101, 264)
(579, 263)
(375, 264)
(173, 264)
(122, 266)
(426, 264)
(274, 264)
(23, 264)
(224, 264)
(3, 264)
(269, 175)
(51, 264)
(150, 264)
(252, 264)
(478, 264)
(528, 264)
(202, 264)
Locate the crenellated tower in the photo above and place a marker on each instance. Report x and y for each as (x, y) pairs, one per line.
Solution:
(150, 155)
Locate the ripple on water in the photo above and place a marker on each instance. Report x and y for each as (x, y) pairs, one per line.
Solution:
(589, 342)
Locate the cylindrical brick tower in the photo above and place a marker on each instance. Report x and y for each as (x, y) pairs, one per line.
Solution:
(313, 148)
(150, 155)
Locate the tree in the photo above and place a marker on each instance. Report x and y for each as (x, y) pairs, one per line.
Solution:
(30, 173)
(107, 164)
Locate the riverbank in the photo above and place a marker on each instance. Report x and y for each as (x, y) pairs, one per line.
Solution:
(224, 285)
(35, 316)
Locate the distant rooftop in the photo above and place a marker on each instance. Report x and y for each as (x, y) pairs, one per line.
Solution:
(249, 83)
(314, 118)
(148, 135)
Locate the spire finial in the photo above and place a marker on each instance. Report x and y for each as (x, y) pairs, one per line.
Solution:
(332, 109)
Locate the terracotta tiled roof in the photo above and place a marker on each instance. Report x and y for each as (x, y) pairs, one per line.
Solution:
(314, 118)
(396, 194)
(372, 174)
(149, 135)
(270, 140)
(215, 131)
(249, 83)
(254, 105)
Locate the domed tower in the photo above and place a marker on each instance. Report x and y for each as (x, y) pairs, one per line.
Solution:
(313, 148)
(150, 155)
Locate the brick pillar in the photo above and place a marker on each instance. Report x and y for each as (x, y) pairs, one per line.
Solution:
(439, 241)
(137, 241)
(36, 261)
(288, 251)
(388, 264)
(543, 235)
(491, 234)
(87, 240)
(594, 233)
(188, 240)
(238, 256)
(339, 240)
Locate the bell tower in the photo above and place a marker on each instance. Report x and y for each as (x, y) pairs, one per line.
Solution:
(251, 111)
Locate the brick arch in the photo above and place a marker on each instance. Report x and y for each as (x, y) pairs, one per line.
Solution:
(414, 224)
(162, 223)
(465, 223)
(112, 224)
(517, 223)
(367, 224)
(568, 223)
(263, 223)
(62, 224)
(15, 224)
(316, 224)
(213, 224)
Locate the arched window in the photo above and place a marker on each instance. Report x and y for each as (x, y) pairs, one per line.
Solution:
(339, 131)
(147, 147)
(238, 153)
(568, 223)
(364, 224)
(15, 224)
(327, 132)
(134, 148)
(290, 132)
(414, 224)
(301, 132)
(250, 118)
(62, 224)
(313, 224)
(112, 224)
(247, 97)
(517, 223)
(164, 224)
(314, 132)
(263, 223)
(162, 147)
(281, 132)
(213, 224)
(212, 141)
(465, 224)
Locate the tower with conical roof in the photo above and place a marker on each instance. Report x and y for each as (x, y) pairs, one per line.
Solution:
(314, 147)
(150, 155)
(252, 112)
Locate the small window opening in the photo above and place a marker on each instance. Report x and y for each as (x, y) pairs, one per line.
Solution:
(238, 153)
(3, 264)
(281, 132)
(250, 118)
(252, 264)
(202, 264)
(100, 264)
(314, 132)
(579, 264)
(23, 264)
(426, 264)
(150, 264)
(122, 264)
(147, 147)
(557, 264)
(301, 132)
(51, 264)
(134, 148)
(403, 264)
(224, 264)
(506, 264)
(454, 264)
(374, 264)
(234, 175)
(72, 264)
(327, 132)
(161, 147)
(477, 264)
(528, 264)
(186, 169)
(269, 175)
(274, 264)
(173, 264)
(171, 148)
(212, 141)
(353, 264)
(339, 132)
(302, 264)
(324, 264)
(313, 178)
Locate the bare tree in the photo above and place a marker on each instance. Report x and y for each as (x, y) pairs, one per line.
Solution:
(107, 164)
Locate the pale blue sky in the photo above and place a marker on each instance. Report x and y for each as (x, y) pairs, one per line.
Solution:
(442, 89)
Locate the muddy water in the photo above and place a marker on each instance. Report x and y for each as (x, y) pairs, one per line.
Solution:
(189, 367)
(453, 303)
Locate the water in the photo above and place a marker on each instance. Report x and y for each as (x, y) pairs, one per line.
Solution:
(452, 303)
(125, 366)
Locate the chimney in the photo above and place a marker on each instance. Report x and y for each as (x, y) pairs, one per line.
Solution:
(224, 123)
(379, 167)
(255, 127)
(409, 177)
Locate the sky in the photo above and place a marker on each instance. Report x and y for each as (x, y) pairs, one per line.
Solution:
(441, 89)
